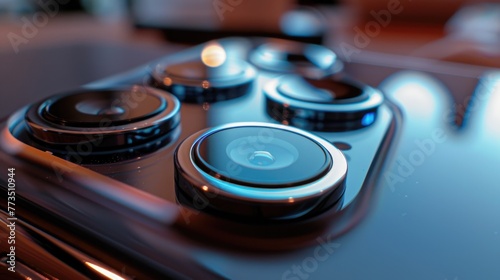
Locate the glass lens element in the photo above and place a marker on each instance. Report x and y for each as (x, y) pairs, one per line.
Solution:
(259, 156)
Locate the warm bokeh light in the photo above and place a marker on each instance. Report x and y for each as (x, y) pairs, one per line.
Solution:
(213, 55)
(104, 272)
(167, 81)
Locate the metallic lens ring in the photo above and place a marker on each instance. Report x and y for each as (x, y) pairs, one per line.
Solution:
(258, 202)
(309, 60)
(337, 115)
(244, 74)
(375, 99)
(194, 81)
(108, 135)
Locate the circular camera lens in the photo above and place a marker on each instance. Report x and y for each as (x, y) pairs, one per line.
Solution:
(88, 109)
(308, 60)
(265, 156)
(326, 104)
(124, 122)
(210, 78)
(259, 170)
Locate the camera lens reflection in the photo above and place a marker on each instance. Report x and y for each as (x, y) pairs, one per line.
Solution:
(249, 153)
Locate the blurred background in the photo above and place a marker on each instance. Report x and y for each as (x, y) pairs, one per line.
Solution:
(48, 46)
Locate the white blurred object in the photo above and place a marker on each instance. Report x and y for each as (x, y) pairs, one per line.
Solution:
(480, 22)
(302, 21)
(473, 37)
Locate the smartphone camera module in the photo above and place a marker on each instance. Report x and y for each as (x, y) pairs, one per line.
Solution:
(326, 104)
(259, 171)
(104, 125)
(211, 77)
